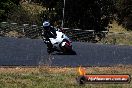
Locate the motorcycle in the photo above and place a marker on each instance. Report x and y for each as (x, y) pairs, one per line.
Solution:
(61, 43)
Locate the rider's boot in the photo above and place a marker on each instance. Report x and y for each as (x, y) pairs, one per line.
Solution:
(50, 48)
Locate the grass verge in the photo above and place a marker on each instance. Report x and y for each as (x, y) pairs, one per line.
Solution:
(56, 77)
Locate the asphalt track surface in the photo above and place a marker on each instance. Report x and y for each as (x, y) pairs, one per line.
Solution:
(32, 52)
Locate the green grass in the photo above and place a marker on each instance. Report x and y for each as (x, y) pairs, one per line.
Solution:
(48, 77)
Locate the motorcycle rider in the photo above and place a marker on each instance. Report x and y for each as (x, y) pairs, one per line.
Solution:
(49, 32)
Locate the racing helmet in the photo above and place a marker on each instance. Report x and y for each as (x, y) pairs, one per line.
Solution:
(46, 25)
